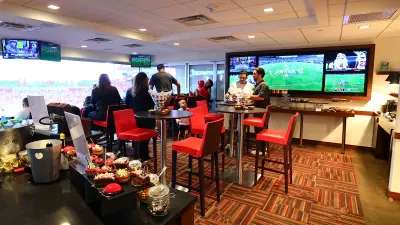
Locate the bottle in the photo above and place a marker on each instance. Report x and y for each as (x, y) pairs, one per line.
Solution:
(62, 138)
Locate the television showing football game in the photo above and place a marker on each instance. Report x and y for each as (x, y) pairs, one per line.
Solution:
(50, 51)
(345, 83)
(343, 61)
(242, 63)
(20, 49)
(293, 72)
(141, 61)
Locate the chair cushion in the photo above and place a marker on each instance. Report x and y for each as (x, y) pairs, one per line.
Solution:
(212, 116)
(273, 136)
(100, 123)
(254, 122)
(191, 146)
(137, 134)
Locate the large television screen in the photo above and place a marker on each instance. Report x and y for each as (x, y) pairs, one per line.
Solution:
(346, 61)
(50, 51)
(345, 83)
(20, 49)
(242, 63)
(293, 72)
(141, 61)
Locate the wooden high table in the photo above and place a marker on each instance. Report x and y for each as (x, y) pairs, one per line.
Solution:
(344, 114)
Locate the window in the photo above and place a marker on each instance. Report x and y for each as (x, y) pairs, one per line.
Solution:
(67, 81)
(199, 72)
(220, 86)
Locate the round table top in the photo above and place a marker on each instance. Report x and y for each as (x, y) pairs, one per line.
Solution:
(174, 114)
(231, 109)
(232, 103)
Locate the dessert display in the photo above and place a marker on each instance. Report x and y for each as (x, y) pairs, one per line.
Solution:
(122, 176)
(69, 151)
(154, 179)
(112, 189)
(139, 178)
(121, 163)
(104, 179)
(97, 160)
(159, 199)
(134, 165)
(107, 169)
(96, 149)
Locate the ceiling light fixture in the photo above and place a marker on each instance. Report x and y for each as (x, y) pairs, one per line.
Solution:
(142, 29)
(268, 10)
(363, 27)
(176, 44)
(84, 46)
(251, 36)
(53, 7)
(134, 53)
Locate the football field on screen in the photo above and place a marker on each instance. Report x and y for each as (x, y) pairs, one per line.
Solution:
(300, 76)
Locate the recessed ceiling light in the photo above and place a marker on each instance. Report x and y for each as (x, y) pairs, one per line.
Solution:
(142, 29)
(268, 10)
(134, 53)
(363, 27)
(251, 36)
(176, 44)
(53, 7)
(84, 46)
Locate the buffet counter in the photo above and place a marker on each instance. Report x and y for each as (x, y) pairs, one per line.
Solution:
(59, 203)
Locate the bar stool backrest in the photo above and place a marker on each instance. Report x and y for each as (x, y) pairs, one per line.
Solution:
(124, 120)
(197, 118)
(110, 116)
(291, 128)
(212, 137)
(203, 105)
(266, 116)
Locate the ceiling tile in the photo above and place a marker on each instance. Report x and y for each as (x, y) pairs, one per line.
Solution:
(229, 15)
(287, 36)
(272, 17)
(174, 12)
(210, 6)
(336, 2)
(322, 34)
(279, 8)
(335, 21)
(375, 28)
(248, 3)
(367, 6)
(336, 10)
(242, 21)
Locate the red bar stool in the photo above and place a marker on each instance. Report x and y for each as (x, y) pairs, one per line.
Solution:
(279, 137)
(207, 115)
(127, 130)
(199, 148)
(259, 122)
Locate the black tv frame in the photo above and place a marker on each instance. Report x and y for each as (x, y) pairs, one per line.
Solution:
(366, 95)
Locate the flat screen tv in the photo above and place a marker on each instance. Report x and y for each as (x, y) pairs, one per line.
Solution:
(293, 72)
(346, 61)
(242, 63)
(141, 61)
(345, 83)
(20, 49)
(50, 51)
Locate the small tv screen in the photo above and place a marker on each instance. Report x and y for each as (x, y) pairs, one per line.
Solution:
(346, 61)
(20, 49)
(242, 63)
(345, 83)
(293, 72)
(50, 51)
(141, 61)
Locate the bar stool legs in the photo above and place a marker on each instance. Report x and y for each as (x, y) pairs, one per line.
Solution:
(173, 176)
(201, 182)
(155, 154)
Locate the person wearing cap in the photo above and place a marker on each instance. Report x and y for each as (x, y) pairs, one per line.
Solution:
(163, 81)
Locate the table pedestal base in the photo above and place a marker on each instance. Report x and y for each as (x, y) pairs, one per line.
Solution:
(230, 175)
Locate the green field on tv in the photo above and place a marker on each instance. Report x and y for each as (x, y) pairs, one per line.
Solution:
(353, 83)
(298, 76)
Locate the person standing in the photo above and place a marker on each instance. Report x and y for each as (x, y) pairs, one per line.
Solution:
(140, 100)
(163, 81)
(103, 96)
(261, 96)
(25, 113)
(242, 87)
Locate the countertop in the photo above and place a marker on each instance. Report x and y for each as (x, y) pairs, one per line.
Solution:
(58, 203)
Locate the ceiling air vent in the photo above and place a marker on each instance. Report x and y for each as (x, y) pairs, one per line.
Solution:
(133, 45)
(223, 39)
(99, 40)
(196, 20)
(362, 18)
(18, 26)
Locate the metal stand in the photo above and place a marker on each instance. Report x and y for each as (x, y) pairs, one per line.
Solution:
(163, 149)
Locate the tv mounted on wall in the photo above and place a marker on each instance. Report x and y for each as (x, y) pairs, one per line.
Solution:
(20, 49)
(140, 60)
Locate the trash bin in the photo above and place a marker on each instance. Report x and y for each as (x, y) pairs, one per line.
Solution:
(45, 160)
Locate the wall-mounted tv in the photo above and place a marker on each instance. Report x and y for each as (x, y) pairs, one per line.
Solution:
(20, 49)
(346, 61)
(310, 72)
(345, 83)
(50, 51)
(293, 72)
(140, 60)
(242, 63)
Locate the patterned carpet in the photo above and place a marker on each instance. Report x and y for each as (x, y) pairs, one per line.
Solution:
(324, 191)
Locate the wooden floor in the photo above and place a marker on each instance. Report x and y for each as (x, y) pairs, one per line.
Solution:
(324, 191)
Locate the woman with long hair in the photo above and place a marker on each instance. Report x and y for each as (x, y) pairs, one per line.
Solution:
(140, 100)
(102, 96)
